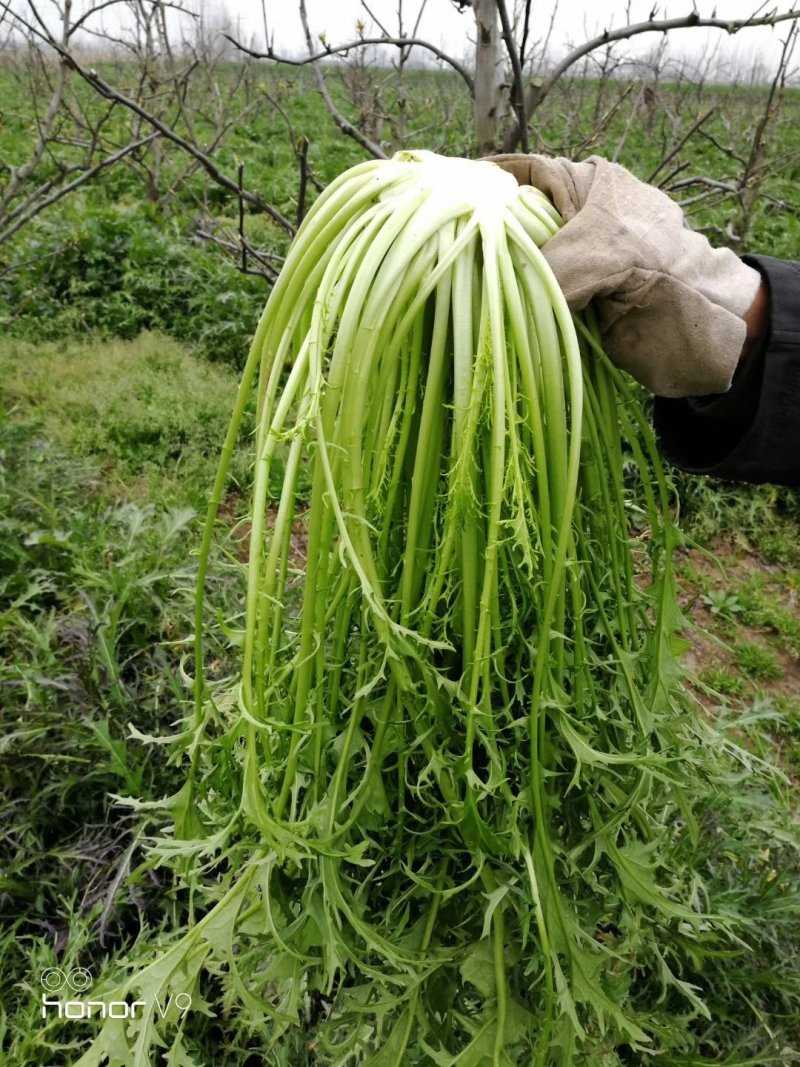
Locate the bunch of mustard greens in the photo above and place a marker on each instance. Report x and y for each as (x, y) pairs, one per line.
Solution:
(454, 811)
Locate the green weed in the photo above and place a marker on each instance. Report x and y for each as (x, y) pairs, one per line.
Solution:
(723, 603)
(760, 607)
(757, 662)
(117, 270)
(147, 409)
(763, 518)
(724, 681)
(95, 607)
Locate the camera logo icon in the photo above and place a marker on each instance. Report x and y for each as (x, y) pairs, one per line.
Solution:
(76, 980)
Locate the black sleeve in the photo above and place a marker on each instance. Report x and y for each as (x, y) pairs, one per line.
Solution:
(752, 432)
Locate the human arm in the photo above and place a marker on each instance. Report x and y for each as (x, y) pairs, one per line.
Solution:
(695, 325)
(751, 432)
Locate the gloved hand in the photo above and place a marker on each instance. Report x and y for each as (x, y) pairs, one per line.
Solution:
(669, 305)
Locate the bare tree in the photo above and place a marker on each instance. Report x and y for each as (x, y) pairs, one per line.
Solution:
(162, 69)
(755, 171)
(173, 96)
(538, 93)
(489, 81)
(505, 97)
(72, 144)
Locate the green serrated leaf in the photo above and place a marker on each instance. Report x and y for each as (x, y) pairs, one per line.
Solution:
(493, 900)
(477, 968)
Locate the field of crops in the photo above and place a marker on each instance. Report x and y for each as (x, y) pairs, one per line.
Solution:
(123, 338)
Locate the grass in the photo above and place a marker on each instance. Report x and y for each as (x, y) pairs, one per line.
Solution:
(88, 590)
(779, 616)
(724, 681)
(757, 662)
(749, 605)
(149, 411)
(97, 546)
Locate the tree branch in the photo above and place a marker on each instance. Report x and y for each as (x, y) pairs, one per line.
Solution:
(293, 138)
(241, 247)
(376, 20)
(516, 66)
(536, 94)
(724, 149)
(344, 124)
(19, 175)
(87, 175)
(361, 42)
(671, 155)
(526, 25)
(92, 78)
(301, 195)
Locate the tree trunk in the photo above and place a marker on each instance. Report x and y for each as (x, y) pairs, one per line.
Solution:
(488, 75)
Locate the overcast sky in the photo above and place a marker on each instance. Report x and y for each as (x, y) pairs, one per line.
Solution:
(575, 21)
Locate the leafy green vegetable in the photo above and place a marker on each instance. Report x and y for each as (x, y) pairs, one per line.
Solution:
(455, 809)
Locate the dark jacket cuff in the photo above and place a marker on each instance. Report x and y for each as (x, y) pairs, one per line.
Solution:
(752, 432)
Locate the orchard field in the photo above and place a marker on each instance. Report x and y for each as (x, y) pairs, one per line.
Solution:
(123, 332)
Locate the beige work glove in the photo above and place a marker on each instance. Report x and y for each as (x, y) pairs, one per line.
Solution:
(669, 305)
